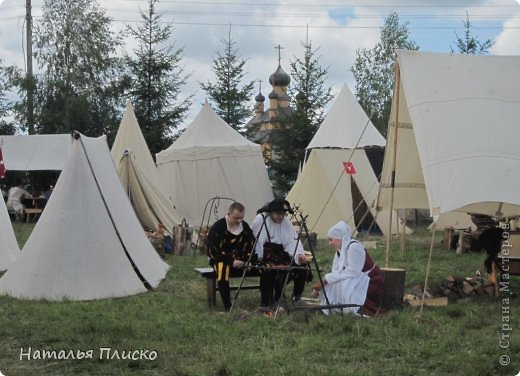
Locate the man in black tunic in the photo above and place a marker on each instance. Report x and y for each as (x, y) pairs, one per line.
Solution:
(230, 242)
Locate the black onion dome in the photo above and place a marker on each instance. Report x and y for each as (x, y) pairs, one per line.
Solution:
(279, 78)
(260, 97)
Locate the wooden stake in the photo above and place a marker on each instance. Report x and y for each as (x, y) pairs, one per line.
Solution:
(403, 235)
(394, 160)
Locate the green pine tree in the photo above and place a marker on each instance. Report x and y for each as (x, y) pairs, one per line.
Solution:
(156, 77)
(469, 44)
(230, 96)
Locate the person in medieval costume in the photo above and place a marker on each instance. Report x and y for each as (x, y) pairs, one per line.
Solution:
(14, 200)
(229, 243)
(354, 279)
(279, 250)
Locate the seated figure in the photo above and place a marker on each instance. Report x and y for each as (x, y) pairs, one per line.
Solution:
(14, 200)
(354, 279)
(157, 239)
(229, 244)
(278, 245)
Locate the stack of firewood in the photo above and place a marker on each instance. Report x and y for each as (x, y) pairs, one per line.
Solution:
(463, 287)
(453, 289)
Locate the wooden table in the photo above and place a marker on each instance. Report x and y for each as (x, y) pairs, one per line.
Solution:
(34, 207)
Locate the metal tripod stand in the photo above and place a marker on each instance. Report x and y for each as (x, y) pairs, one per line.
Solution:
(301, 219)
(292, 265)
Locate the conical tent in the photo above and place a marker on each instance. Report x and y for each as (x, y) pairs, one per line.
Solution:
(88, 243)
(312, 191)
(346, 126)
(454, 132)
(9, 249)
(323, 190)
(212, 159)
(139, 176)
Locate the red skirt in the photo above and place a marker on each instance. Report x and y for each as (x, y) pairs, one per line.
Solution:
(376, 289)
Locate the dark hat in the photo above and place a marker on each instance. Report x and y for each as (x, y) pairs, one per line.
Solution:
(279, 205)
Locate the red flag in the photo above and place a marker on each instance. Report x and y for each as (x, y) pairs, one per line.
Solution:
(349, 168)
(2, 165)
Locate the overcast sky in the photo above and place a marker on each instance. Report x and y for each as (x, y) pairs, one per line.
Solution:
(337, 28)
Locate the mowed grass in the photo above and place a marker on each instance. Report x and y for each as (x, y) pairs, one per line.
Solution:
(191, 339)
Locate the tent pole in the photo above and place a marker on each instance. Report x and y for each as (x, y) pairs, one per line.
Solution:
(394, 158)
(403, 234)
(127, 162)
(427, 271)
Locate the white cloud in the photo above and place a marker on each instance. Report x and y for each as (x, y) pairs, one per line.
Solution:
(508, 41)
(338, 31)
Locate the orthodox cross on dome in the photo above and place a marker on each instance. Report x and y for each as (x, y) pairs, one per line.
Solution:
(279, 48)
(260, 86)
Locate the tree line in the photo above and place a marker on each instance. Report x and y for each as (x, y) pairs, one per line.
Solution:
(86, 77)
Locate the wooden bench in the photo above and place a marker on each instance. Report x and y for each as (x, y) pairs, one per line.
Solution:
(211, 282)
(35, 212)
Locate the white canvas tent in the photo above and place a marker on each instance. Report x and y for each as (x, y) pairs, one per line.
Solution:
(139, 176)
(323, 190)
(212, 159)
(35, 152)
(346, 126)
(9, 249)
(454, 132)
(27, 153)
(88, 243)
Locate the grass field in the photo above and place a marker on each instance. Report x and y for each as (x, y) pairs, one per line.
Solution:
(190, 339)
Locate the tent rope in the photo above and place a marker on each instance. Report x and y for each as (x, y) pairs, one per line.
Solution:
(427, 271)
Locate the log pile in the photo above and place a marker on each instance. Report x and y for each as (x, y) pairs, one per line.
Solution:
(463, 287)
(453, 289)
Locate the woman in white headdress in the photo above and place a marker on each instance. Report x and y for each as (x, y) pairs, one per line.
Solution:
(354, 279)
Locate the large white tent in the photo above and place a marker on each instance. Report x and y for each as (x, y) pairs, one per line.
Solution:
(27, 153)
(454, 133)
(323, 190)
(212, 159)
(346, 125)
(9, 248)
(35, 152)
(88, 243)
(139, 176)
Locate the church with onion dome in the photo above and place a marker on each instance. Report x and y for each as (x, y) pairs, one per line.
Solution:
(276, 115)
